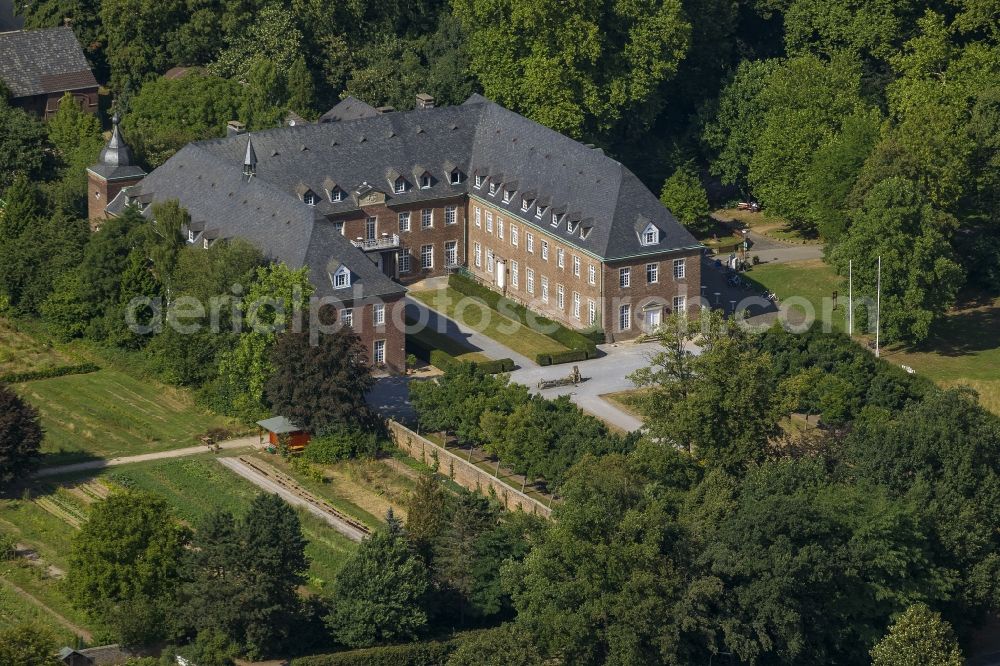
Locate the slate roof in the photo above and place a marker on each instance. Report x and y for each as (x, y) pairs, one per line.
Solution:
(349, 108)
(596, 193)
(39, 62)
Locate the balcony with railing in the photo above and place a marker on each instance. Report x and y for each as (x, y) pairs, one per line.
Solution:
(384, 242)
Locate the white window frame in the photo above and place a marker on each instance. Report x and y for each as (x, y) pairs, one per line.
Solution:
(425, 252)
(478, 254)
(347, 317)
(680, 269)
(625, 318)
(513, 235)
(545, 250)
(545, 289)
(342, 278)
(591, 311)
(404, 221)
(514, 270)
(479, 217)
(508, 195)
(652, 273)
(489, 221)
(576, 305)
(479, 181)
(490, 261)
(625, 277)
(427, 218)
(526, 204)
(452, 247)
(378, 352)
(560, 257)
(450, 215)
(499, 227)
(555, 219)
(540, 212)
(336, 194)
(680, 304)
(338, 226)
(378, 314)
(576, 265)
(455, 177)
(529, 279)
(399, 185)
(493, 189)
(561, 297)
(529, 242)
(310, 199)
(592, 274)
(425, 181)
(650, 235)
(405, 261)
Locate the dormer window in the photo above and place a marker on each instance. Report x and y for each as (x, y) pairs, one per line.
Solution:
(190, 235)
(425, 181)
(205, 243)
(341, 278)
(336, 194)
(399, 186)
(540, 212)
(493, 189)
(571, 226)
(526, 204)
(650, 235)
(555, 219)
(456, 177)
(585, 232)
(508, 195)
(479, 181)
(310, 198)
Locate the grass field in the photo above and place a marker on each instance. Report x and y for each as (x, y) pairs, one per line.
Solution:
(108, 413)
(20, 351)
(811, 280)
(478, 316)
(763, 224)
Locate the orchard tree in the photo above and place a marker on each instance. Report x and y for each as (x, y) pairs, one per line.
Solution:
(380, 593)
(604, 65)
(919, 637)
(20, 436)
(685, 196)
(320, 384)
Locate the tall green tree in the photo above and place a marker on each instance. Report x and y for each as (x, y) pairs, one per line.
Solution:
(426, 514)
(301, 89)
(602, 66)
(919, 637)
(77, 140)
(20, 436)
(28, 644)
(920, 274)
(241, 577)
(685, 196)
(129, 549)
(22, 139)
(380, 594)
(263, 95)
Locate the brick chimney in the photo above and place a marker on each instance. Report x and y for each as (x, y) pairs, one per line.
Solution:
(425, 101)
(235, 127)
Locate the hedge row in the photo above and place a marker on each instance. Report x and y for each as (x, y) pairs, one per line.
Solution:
(574, 340)
(442, 360)
(425, 653)
(569, 356)
(61, 371)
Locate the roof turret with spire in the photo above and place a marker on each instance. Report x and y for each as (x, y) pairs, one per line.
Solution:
(250, 159)
(116, 161)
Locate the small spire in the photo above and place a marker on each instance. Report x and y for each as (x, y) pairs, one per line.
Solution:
(250, 159)
(116, 153)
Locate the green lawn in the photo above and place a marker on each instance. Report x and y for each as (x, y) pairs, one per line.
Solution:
(20, 351)
(16, 609)
(811, 280)
(108, 413)
(433, 340)
(478, 316)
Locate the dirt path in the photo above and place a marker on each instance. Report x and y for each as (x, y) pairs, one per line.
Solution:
(92, 465)
(79, 631)
(269, 479)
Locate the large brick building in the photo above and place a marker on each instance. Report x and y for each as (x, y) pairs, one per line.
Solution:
(372, 200)
(38, 67)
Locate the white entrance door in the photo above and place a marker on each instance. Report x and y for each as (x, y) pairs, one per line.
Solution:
(501, 273)
(653, 318)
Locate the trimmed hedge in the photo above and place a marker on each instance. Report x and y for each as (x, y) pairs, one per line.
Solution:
(425, 653)
(61, 371)
(442, 360)
(543, 359)
(570, 356)
(574, 340)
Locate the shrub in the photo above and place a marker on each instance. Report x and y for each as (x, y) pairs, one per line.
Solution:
(496, 366)
(8, 547)
(425, 653)
(341, 444)
(543, 359)
(441, 359)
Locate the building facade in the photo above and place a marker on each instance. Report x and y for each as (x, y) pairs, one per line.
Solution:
(371, 200)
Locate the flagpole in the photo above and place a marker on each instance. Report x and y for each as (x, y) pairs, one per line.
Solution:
(850, 298)
(878, 306)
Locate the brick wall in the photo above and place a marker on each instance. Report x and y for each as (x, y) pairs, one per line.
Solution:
(392, 331)
(100, 193)
(643, 296)
(465, 474)
(437, 235)
(502, 246)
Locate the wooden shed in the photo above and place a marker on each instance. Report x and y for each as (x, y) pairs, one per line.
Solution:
(279, 428)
